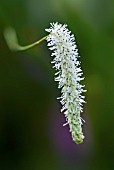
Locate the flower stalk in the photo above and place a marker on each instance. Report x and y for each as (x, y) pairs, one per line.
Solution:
(68, 72)
(12, 42)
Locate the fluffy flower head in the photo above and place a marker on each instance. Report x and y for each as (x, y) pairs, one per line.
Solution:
(68, 74)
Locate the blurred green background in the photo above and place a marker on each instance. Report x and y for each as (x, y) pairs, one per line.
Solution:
(31, 133)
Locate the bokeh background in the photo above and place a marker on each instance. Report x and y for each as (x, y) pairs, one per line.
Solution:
(31, 133)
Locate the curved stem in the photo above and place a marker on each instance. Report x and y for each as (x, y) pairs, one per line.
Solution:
(12, 42)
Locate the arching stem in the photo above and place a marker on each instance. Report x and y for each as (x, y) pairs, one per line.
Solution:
(12, 42)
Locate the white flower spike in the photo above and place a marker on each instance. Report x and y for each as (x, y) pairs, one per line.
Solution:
(68, 74)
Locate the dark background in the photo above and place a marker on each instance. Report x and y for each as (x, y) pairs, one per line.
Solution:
(31, 133)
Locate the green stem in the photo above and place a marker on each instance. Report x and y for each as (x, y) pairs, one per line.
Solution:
(12, 42)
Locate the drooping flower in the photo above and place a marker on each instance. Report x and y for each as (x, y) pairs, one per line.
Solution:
(68, 74)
